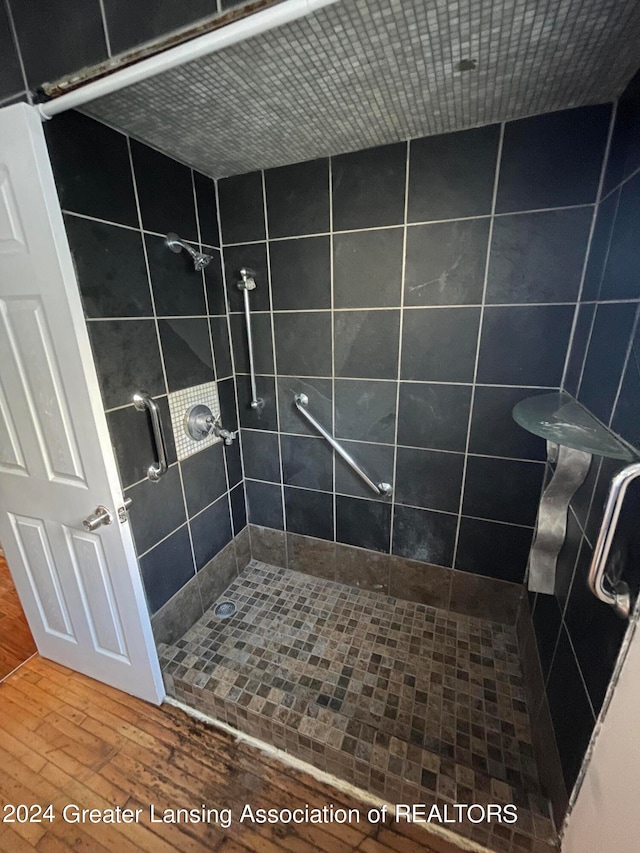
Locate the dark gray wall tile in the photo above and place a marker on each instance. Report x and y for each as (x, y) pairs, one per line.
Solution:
(203, 477)
(252, 256)
(434, 416)
(446, 263)
(110, 268)
(262, 343)
(571, 713)
(127, 359)
(624, 156)
(264, 504)
(130, 25)
(494, 432)
(493, 549)
(320, 394)
(165, 193)
(620, 279)
(553, 160)
(538, 257)
(167, 568)
(92, 169)
(423, 535)
(429, 479)
(606, 356)
(211, 531)
(439, 344)
(300, 273)
(367, 268)
(366, 343)
(58, 38)
(265, 415)
(178, 290)
(303, 343)
(298, 198)
(502, 489)
(375, 459)
(238, 509)
(368, 187)
(581, 336)
(214, 284)
(221, 347)
(309, 513)
(133, 442)
(186, 349)
(365, 410)
(157, 509)
(261, 455)
(452, 175)
(307, 462)
(241, 208)
(11, 80)
(524, 345)
(366, 524)
(207, 209)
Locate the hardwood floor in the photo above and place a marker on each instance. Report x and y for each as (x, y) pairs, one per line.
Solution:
(16, 642)
(66, 739)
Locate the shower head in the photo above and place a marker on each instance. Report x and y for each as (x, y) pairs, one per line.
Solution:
(200, 260)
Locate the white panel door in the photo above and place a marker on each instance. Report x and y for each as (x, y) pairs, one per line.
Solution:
(81, 591)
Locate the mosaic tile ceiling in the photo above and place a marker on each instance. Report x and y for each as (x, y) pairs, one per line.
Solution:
(366, 72)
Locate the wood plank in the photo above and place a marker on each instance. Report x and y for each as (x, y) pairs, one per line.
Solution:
(68, 739)
(16, 642)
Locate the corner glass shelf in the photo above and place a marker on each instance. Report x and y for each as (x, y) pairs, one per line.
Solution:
(562, 420)
(573, 438)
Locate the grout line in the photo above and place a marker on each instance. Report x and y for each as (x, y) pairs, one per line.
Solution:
(160, 350)
(394, 467)
(585, 264)
(213, 356)
(16, 42)
(406, 224)
(273, 355)
(624, 366)
(410, 381)
(107, 40)
(381, 500)
(185, 523)
(479, 338)
(333, 350)
(225, 296)
(624, 181)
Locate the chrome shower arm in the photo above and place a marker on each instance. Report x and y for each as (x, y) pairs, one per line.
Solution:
(200, 259)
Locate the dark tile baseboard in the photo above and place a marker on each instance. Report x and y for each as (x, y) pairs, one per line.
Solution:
(184, 609)
(411, 580)
(543, 737)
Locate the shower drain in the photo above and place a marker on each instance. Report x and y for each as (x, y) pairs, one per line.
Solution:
(225, 610)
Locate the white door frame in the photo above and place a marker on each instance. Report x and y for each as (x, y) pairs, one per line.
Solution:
(103, 576)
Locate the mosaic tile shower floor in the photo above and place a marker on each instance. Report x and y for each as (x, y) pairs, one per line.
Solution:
(410, 702)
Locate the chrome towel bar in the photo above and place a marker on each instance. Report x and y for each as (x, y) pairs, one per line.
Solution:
(249, 283)
(614, 593)
(384, 489)
(142, 400)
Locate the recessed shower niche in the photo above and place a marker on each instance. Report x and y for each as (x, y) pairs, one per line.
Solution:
(412, 287)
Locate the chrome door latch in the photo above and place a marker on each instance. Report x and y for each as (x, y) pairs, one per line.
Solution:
(102, 516)
(123, 511)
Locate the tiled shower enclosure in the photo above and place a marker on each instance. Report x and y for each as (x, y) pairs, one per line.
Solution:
(414, 292)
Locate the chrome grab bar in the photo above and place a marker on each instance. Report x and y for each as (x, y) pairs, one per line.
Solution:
(143, 400)
(249, 283)
(617, 594)
(385, 489)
